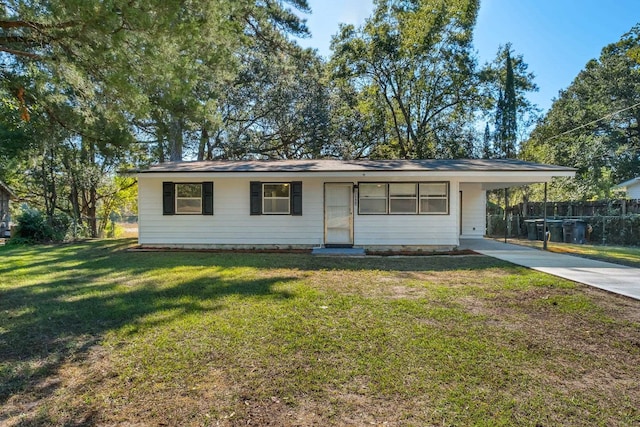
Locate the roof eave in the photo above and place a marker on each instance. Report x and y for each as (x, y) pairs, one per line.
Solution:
(6, 188)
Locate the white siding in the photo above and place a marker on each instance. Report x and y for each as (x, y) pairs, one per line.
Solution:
(473, 210)
(231, 223)
(633, 191)
(396, 231)
(233, 226)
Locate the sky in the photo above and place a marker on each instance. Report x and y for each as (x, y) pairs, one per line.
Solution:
(555, 37)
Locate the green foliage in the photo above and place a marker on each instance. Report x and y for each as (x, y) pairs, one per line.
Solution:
(593, 125)
(34, 227)
(411, 65)
(507, 81)
(84, 80)
(273, 108)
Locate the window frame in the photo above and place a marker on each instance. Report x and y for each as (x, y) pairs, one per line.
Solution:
(170, 199)
(419, 197)
(386, 198)
(416, 197)
(446, 198)
(177, 197)
(272, 198)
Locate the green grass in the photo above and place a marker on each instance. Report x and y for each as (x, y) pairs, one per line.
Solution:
(91, 333)
(629, 256)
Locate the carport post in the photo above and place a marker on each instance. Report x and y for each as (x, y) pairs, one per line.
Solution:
(544, 220)
(506, 216)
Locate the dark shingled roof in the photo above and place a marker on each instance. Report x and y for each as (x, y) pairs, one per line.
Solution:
(477, 165)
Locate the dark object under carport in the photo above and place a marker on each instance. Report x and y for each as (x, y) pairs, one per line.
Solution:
(555, 227)
(535, 229)
(575, 231)
(532, 232)
(539, 229)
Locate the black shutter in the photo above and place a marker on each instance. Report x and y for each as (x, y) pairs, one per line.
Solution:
(207, 198)
(168, 198)
(296, 198)
(255, 194)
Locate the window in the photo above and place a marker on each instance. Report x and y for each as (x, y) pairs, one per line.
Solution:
(373, 198)
(187, 198)
(434, 198)
(275, 198)
(403, 198)
(431, 198)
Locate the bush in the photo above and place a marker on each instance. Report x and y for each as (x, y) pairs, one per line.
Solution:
(621, 230)
(33, 227)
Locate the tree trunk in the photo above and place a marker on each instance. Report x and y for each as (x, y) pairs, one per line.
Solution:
(92, 211)
(202, 147)
(175, 140)
(49, 183)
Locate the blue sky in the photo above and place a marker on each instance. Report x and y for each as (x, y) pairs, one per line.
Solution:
(556, 37)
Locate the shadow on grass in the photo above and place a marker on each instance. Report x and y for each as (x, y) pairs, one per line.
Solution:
(82, 295)
(81, 291)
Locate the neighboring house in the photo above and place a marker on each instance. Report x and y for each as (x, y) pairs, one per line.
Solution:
(6, 194)
(375, 204)
(632, 188)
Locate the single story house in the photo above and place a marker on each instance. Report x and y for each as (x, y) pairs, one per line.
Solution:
(632, 187)
(373, 204)
(6, 194)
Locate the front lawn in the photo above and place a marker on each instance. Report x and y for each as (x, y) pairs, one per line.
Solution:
(93, 334)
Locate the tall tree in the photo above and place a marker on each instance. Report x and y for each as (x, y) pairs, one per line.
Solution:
(594, 124)
(508, 81)
(487, 149)
(507, 127)
(277, 107)
(84, 77)
(412, 63)
(148, 60)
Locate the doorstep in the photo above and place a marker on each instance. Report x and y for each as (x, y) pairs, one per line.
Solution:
(338, 251)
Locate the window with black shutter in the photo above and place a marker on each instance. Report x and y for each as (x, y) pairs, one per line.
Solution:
(187, 198)
(275, 198)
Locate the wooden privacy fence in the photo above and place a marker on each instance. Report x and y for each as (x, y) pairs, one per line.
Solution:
(619, 207)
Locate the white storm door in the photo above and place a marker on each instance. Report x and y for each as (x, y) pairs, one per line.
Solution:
(338, 214)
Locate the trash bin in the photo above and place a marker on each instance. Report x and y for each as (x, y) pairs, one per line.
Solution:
(568, 226)
(575, 231)
(539, 229)
(532, 233)
(555, 227)
(580, 232)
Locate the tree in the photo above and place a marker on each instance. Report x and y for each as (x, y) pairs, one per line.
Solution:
(507, 81)
(148, 61)
(594, 124)
(506, 118)
(82, 78)
(487, 149)
(277, 107)
(411, 63)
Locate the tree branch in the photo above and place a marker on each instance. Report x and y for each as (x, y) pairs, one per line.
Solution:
(20, 53)
(35, 25)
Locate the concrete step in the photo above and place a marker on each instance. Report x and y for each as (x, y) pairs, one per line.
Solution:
(338, 251)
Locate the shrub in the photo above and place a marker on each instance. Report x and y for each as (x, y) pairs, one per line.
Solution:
(34, 227)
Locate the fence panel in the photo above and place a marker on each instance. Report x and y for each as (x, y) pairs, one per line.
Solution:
(621, 230)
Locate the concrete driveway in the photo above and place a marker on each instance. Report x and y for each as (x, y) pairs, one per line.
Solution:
(611, 277)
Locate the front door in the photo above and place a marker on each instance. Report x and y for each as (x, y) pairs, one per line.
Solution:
(338, 214)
